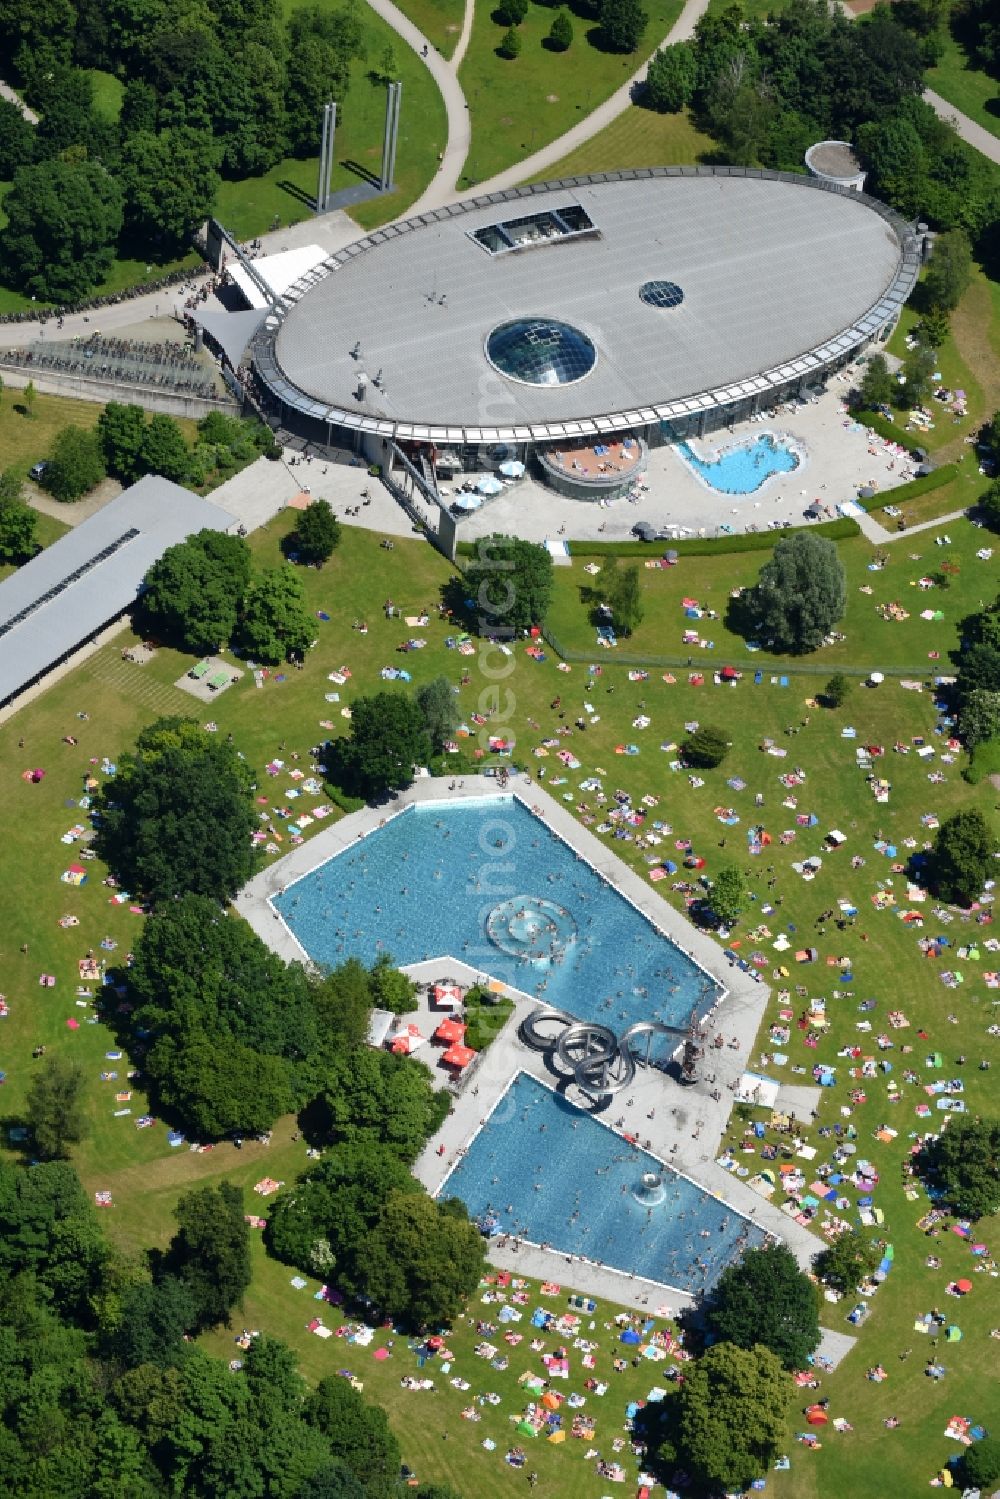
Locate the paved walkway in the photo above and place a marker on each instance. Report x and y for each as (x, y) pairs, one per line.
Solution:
(971, 133)
(13, 97)
(532, 166)
(441, 189)
(875, 531)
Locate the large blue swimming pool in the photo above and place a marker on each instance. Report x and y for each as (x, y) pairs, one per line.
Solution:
(554, 1175)
(745, 468)
(490, 884)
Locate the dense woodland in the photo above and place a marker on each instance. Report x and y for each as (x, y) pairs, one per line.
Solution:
(210, 89)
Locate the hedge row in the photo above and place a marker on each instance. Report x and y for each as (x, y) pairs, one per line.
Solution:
(903, 492)
(876, 422)
(695, 546)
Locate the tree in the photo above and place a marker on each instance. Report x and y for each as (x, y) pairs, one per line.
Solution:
(728, 896)
(390, 988)
(178, 816)
(164, 450)
(732, 1416)
(963, 857)
(510, 44)
(211, 1250)
(326, 1217)
(55, 1107)
(917, 370)
(171, 180)
(979, 716)
(878, 384)
(847, 1260)
(375, 1096)
(153, 1322)
(800, 594)
(893, 154)
(560, 37)
(836, 690)
(76, 465)
(932, 329)
(671, 78)
(980, 1464)
(622, 24)
(437, 704)
(387, 740)
(766, 1299)
(342, 1003)
(511, 583)
(512, 12)
(706, 747)
(17, 520)
(194, 593)
(17, 140)
(964, 1162)
(358, 1434)
(122, 431)
(989, 506)
(215, 1088)
(333, 1481)
(274, 625)
(621, 594)
(317, 533)
(63, 222)
(423, 1259)
(30, 394)
(949, 273)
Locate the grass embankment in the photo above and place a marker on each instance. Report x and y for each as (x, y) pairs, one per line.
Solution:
(973, 92)
(518, 106)
(636, 138)
(439, 20)
(146, 1177)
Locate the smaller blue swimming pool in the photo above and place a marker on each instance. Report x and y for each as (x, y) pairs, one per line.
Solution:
(541, 1168)
(745, 468)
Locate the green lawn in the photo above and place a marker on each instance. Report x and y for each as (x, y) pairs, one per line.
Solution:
(967, 361)
(439, 20)
(146, 1177)
(518, 107)
(972, 91)
(636, 138)
(24, 439)
(901, 645)
(108, 93)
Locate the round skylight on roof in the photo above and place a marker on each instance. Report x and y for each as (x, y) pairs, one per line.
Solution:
(541, 351)
(661, 294)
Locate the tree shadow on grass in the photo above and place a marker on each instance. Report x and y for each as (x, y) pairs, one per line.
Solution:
(739, 617)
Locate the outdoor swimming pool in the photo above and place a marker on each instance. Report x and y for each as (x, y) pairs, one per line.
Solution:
(555, 1175)
(487, 882)
(745, 468)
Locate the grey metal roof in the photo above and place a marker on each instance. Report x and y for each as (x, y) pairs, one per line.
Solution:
(88, 577)
(780, 274)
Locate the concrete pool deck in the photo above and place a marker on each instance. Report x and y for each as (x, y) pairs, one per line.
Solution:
(687, 1123)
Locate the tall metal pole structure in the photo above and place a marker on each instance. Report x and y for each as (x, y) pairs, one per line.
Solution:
(321, 180)
(329, 156)
(391, 173)
(329, 130)
(383, 179)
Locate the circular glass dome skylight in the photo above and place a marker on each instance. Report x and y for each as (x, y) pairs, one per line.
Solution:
(661, 294)
(540, 351)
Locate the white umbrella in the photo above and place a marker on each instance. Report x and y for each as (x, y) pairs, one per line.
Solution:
(512, 469)
(489, 485)
(468, 502)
